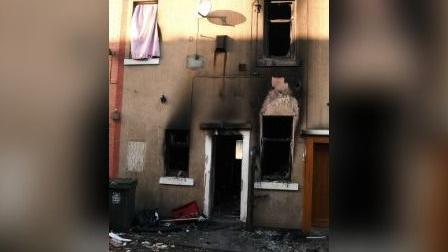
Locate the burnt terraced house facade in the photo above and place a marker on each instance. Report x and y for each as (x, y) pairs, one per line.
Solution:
(231, 111)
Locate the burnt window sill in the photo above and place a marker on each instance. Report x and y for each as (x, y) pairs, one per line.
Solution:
(279, 186)
(180, 181)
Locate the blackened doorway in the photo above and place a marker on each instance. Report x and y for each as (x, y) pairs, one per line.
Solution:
(227, 175)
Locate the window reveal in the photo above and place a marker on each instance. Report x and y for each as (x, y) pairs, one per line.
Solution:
(177, 148)
(276, 156)
(278, 22)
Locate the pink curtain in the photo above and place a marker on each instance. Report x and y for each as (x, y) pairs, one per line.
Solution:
(144, 32)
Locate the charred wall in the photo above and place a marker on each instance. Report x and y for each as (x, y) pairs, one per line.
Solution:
(204, 95)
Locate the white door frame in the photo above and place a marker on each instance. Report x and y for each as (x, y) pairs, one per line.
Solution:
(244, 174)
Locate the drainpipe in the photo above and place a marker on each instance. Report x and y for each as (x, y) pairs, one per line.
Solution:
(115, 102)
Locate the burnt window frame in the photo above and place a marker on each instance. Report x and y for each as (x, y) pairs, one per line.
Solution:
(167, 151)
(264, 141)
(290, 59)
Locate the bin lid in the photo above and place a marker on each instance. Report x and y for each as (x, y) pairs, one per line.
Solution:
(122, 183)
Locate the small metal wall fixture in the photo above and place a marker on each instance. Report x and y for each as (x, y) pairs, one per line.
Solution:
(116, 115)
(221, 43)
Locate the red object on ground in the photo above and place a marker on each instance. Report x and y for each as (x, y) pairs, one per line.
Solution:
(189, 210)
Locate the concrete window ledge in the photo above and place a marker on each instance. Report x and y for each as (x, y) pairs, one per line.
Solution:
(281, 186)
(176, 181)
(133, 62)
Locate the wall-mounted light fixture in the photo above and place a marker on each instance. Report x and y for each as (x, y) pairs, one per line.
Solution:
(115, 115)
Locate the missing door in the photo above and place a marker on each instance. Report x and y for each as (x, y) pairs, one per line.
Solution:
(209, 172)
(227, 176)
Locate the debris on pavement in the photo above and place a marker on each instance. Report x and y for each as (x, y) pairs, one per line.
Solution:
(118, 241)
(189, 210)
(156, 246)
(117, 237)
(316, 237)
(215, 235)
(147, 219)
(146, 244)
(198, 233)
(200, 218)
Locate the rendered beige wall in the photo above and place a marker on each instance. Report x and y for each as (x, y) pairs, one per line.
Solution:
(145, 118)
(318, 64)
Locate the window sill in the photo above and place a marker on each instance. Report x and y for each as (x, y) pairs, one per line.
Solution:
(176, 181)
(280, 186)
(133, 62)
(276, 62)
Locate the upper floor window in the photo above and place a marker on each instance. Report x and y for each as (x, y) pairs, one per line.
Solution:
(278, 27)
(278, 33)
(144, 34)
